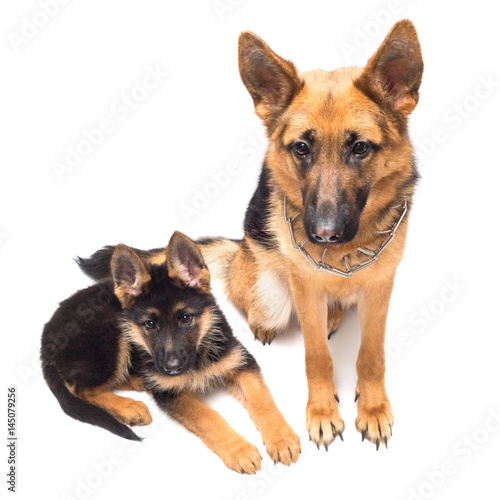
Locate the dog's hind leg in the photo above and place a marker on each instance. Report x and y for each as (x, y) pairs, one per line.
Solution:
(127, 410)
(271, 305)
(335, 317)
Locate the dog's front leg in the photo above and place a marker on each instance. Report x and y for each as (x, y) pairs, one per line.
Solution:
(282, 444)
(192, 412)
(322, 415)
(375, 418)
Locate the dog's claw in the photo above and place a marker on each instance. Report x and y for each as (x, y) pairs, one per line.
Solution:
(363, 435)
(356, 397)
(337, 397)
(377, 443)
(385, 441)
(340, 436)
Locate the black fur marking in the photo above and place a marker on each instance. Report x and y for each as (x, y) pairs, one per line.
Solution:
(257, 214)
(98, 265)
(305, 161)
(362, 197)
(350, 158)
(210, 240)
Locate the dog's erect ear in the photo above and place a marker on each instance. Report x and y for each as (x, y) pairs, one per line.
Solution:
(185, 263)
(271, 80)
(129, 274)
(393, 74)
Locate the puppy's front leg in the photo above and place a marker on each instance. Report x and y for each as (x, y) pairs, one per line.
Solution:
(192, 412)
(375, 417)
(282, 444)
(323, 420)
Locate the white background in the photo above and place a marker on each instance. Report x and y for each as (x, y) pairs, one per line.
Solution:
(443, 382)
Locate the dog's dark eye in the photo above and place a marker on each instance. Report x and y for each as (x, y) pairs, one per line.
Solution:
(301, 148)
(360, 148)
(150, 324)
(186, 319)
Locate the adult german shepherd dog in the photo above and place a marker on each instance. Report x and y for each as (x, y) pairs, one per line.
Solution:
(333, 196)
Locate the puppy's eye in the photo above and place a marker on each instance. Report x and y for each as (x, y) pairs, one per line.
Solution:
(301, 149)
(186, 319)
(360, 148)
(150, 324)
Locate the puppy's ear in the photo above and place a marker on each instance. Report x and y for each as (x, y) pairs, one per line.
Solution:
(129, 274)
(185, 263)
(393, 74)
(271, 80)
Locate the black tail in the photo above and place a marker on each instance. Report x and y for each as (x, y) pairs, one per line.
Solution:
(83, 410)
(98, 265)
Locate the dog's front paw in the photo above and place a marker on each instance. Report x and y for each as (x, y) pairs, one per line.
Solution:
(375, 419)
(283, 445)
(134, 413)
(241, 456)
(324, 423)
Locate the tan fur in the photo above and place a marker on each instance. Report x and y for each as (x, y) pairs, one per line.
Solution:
(282, 444)
(235, 451)
(178, 272)
(126, 292)
(131, 383)
(127, 410)
(133, 332)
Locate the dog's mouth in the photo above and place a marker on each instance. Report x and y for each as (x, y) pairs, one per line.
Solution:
(173, 369)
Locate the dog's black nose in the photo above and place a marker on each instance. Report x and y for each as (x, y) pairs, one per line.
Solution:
(327, 234)
(173, 365)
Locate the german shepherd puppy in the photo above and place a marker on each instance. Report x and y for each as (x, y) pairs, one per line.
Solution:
(157, 328)
(337, 182)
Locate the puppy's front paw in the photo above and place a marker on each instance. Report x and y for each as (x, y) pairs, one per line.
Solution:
(283, 445)
(324, 423)
(375, 419)
(241, 456)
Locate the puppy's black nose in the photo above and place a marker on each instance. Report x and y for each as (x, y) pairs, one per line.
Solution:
(172, 365)
(327, 234)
